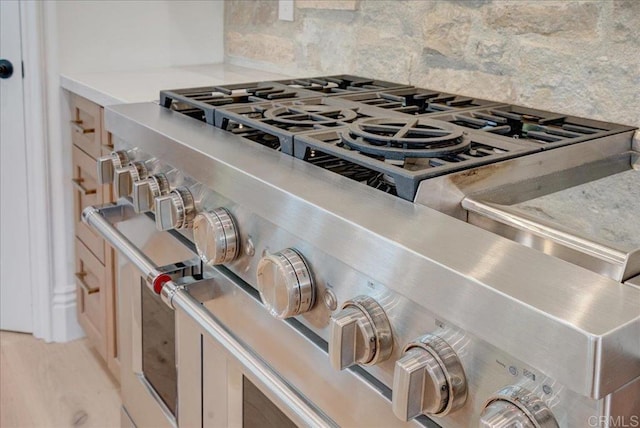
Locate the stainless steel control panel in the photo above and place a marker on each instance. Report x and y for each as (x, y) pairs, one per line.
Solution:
(264, 249)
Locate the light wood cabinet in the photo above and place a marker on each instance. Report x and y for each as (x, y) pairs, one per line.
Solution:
(86, 126)
(91, 290)
(95, 260)
(86, 192)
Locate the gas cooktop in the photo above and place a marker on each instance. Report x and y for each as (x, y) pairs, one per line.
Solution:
(386, 135)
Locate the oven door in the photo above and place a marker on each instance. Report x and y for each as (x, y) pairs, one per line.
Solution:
(146, 327)
(257, 371)
(236, 364)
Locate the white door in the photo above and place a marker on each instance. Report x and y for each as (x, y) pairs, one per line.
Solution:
(15, 266)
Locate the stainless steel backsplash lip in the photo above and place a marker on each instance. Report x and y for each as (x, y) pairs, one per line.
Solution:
(574, 325)
(507, 181)
(554, 239)
(549, 201)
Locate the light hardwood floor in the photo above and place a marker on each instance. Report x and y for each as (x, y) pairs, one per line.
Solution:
(54, 385)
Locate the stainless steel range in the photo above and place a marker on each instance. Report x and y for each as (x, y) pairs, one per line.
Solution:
(341, 251)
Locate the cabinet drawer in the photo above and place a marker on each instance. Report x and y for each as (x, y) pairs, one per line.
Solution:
(91, 281)
(87, 191)
(86, 125)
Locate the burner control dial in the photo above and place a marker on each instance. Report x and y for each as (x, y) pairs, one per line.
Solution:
(125, 177)
(360, 334)
(428, 379)
(145, 192)
(175, 210)
(216, 236)
(109, 163)
(516, 406)
(285, 284)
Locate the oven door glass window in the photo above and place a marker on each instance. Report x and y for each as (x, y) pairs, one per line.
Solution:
(258, 411)
(158, 347)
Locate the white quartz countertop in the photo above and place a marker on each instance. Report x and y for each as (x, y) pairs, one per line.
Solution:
(118, 87)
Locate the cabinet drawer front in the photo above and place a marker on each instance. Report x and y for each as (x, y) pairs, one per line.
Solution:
(87, 191)
(91, 282)
(86, 125)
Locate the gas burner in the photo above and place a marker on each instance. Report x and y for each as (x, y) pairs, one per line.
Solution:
(340, 84)
(417, 101)
(274, 124)
(535, 127)
(201, 103)
(310, 115)
(400, 138)
(389, 153)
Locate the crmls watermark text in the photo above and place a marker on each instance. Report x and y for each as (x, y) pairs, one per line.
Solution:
(615, 421)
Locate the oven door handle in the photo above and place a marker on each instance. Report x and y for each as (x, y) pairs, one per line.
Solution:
(101, 219)
(305, 413)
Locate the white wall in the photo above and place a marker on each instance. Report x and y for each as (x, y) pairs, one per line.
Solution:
(95, 36)
(129, 35)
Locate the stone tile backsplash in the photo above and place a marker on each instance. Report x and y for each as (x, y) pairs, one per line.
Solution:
(575, 57)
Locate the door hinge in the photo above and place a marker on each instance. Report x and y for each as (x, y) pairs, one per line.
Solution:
(22, 66)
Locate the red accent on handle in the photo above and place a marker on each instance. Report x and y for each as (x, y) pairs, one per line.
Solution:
(159, 282)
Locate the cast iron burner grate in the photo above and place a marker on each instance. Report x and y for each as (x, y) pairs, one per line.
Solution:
(340, 84)
(536, 127)
(417, 101)
(309, 116)
(400, 138)
(201, 103)
(396, 166)
(274, 124)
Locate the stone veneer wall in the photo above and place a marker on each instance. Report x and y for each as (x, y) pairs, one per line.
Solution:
(578, 57)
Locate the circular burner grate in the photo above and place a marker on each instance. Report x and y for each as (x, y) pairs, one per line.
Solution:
(400, 138)
(310, 115)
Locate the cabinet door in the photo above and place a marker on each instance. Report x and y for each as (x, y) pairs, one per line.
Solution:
(86, 126)
(87, 192)
(95, 260)
(91, 282)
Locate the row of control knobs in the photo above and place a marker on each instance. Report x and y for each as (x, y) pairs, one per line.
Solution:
(428, 379)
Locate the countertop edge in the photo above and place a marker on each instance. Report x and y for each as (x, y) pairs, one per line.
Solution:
(89, 92)
(143, 85)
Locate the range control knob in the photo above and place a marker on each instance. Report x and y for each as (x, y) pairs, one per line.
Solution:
(360, 334)
(216, 236)
(109, 163)
(515, 406)
(175, 210)
(125, 177)
(285, 284)
(428, 379)
(145, 192)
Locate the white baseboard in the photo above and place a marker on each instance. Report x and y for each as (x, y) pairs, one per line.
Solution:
(65, 325)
